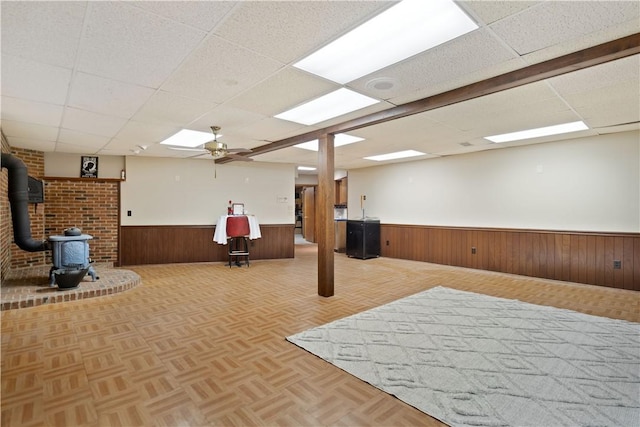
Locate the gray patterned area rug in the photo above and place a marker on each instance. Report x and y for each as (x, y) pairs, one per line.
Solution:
(474, 360)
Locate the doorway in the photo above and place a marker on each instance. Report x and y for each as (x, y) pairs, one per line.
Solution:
(305, 213)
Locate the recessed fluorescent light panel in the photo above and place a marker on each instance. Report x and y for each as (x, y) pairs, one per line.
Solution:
(539, 132)
(188, 138)
(338, 141)
(334, 104)
(403, 30)
(396, 155)
(306, 168)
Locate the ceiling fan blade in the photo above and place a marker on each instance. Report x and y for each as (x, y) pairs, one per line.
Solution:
(238, 150)
(239, 158)
(195, 156)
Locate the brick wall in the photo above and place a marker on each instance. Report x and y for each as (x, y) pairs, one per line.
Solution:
(92, 206)
(12, 255)
(5, 218)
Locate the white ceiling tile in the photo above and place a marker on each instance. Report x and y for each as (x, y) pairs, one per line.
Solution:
(553, 138)
(463, 56)
(144, 133)
(453, 150)
(227, 118)
(619, 128)
(106, 96)
(62, 147)
(380, 106)
(605, 115)
(454, 83)
(234, 137)
(82, 139)
(600, 76)
(31, 144)
(34, 81)
(219, 70)
(267, 27)
(487, 12)
(496, 118)
(433, 141)
(29, 130)
(497, 102)
(293, 155)
(613, 94)
(30, 111)
(549, 113)
(271, 129)
(164, 151)
(132, 45)
(284, 90)
(92, 123)
(240, 74)
(46, 32)
(204, 15)
(527, 107)
(119, 145)
(168, 108)
(123, 147)
(610, 33)
(553, 22)
(416, 127)
(106, 152)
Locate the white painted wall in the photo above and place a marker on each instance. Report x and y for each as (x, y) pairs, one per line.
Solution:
(163, 191)
(584, 184)
(68, 165)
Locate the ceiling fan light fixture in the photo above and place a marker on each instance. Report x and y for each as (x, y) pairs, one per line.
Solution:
(217, 149)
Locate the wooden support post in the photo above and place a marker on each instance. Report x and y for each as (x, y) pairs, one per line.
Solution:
(324, 215)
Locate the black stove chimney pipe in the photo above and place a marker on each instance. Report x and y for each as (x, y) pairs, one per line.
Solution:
(19, 199)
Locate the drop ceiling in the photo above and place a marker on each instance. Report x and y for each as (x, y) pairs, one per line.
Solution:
(105, 78)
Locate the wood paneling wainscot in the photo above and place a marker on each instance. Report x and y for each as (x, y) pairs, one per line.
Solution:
(166, 244)
(582, 257)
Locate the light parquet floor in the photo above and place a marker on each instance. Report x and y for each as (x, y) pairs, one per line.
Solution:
(203, 344)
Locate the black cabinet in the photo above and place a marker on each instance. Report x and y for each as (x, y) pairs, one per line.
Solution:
(363, 238)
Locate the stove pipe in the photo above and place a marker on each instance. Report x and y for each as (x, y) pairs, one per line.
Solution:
(19, 199)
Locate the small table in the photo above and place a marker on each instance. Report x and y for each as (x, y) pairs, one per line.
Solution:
(220, 235)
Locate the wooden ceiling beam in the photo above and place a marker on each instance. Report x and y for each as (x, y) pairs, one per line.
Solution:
(596, 55)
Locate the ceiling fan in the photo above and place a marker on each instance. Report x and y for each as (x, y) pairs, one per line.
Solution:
(218, 149)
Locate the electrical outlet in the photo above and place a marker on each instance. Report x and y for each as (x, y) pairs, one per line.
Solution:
(387, 243)
(128, 213)
(617, 264)
(473, 250)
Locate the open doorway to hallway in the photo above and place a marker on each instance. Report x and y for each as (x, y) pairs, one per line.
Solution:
(305, 202)
(305, 213)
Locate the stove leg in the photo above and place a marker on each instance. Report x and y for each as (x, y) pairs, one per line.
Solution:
(52, 278)
(93, 274)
